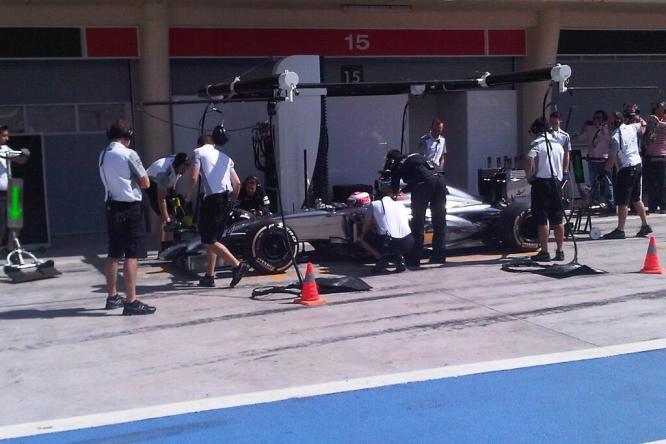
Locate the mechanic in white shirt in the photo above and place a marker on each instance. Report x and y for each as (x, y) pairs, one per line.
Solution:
(123, 176)
(623, 151)
(563, 138)
(221, 184)
(544, 172)
(163, 175)
(4, 183)
(433, 145)
(385, 232)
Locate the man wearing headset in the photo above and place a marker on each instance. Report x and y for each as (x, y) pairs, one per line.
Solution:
(544, 169)
(427, 188)
(221, 185)
(385, 232)
(123, 176)
(163, 175)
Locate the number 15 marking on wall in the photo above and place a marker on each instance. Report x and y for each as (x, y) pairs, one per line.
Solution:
(359, 42)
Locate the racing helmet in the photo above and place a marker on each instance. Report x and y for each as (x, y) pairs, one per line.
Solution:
(358, 199)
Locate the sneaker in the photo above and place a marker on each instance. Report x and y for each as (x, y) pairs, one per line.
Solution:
(400, 265)
(615, 234)
(413, 264)
(238, 273)
(380, 266)
(114, 302)
(137, 308)
(542, 256)
(559, 255)
(437, 260)
(207, 281)
(644, 231)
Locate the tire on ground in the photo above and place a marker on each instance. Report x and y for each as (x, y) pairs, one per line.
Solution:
(517, 229)
(265, 247)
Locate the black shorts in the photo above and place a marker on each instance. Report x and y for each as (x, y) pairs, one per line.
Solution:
(213, 217)
(628, 185)
(126, 229)
(546, 202)
(3, 218)
(152, 197)
(390, 245)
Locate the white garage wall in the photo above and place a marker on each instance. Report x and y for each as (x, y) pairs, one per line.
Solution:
(361, 131)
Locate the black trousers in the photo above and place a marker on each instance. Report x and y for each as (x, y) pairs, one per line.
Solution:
(431, 192)
(3, 219)
(654, 176)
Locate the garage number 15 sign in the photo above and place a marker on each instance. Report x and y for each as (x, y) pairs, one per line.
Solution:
(351, 73)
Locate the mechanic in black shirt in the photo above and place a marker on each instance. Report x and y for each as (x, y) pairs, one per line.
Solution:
(427, 187)
(253, 198)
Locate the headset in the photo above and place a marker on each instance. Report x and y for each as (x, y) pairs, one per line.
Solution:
(220, 135)
(114, 133)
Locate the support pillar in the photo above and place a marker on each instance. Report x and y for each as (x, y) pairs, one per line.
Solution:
(541, 47)
(154, 81)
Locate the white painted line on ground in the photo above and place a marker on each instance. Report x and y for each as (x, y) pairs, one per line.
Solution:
(138, 414)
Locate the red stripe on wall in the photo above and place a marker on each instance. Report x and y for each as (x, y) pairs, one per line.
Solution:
(192, 42)
(506, 42)
(112, 42)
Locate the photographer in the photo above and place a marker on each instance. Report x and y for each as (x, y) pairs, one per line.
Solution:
(597, 136)
(427, 187)
(385, 232)
(544, 167)
(625, 154)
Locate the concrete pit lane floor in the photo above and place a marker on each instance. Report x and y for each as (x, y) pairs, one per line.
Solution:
(64, 356)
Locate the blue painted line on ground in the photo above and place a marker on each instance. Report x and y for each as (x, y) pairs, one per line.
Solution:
(620, 399)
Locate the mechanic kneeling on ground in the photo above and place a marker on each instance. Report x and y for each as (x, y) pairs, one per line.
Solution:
(544, 167)
(385, 232)
(163, 175)
(220, 181)
(123, 176)
(427, 187)
(253, 198)
(624, 151)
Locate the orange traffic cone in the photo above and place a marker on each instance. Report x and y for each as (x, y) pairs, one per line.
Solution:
(652, 264)
(310, 291)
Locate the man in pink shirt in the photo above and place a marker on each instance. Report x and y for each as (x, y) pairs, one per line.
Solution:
(655, 159)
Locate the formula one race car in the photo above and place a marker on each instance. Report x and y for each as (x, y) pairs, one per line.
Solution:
(331, 230)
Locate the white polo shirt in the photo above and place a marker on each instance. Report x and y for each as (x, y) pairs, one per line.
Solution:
(391, 217)
(119, 167)
(432, 148)
(215, 168)
(162, 172)
(627, 151)
(4, 182)
(563, 139)
(538, 151)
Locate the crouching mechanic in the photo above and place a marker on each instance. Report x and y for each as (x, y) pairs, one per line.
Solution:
(220, 181)
(123, 176)
(623, 151)
(253, 198)
(163, 175)
(385, 232)
(544, 168)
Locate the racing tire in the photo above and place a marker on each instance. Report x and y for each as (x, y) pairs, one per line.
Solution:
(517, 229)
(265, 248)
